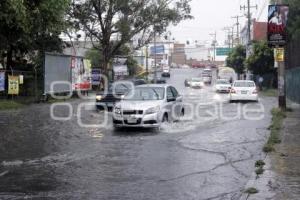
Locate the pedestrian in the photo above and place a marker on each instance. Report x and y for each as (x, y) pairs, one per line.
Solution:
(260, 82)
(245, 76)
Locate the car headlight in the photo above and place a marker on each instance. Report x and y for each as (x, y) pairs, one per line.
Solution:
(117, 110)
(152, 110)
(98, 97)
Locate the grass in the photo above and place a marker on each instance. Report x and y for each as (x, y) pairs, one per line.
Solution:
(10, 105)
(277, 120)
(259, 163)
(259, 171)
(251, 190)
(269, 92)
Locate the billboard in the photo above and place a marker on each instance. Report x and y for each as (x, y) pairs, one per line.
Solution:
(2, 81)
(96, 76)
(277, 22)
(13, 85)
(223, 51)
(120, 67)
(159, 49)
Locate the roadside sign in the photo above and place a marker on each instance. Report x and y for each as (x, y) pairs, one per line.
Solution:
(277, 22)
(13, 85)
(223, 51)
(279, 54)
(159, 49)
(2, 81)
(21, 79)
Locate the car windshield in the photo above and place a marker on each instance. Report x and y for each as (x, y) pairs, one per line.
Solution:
(244, 84)
(223, 82)
(146, 94)
(120, 87)
(196, 79)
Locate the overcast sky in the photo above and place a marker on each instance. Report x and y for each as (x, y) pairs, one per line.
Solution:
(214, 15)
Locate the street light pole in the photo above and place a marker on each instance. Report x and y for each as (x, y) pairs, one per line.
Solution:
(147, 69)
(155, 66)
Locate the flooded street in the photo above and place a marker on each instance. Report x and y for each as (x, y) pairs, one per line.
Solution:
(210, 156)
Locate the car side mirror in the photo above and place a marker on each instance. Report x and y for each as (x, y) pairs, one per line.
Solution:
(170, 99)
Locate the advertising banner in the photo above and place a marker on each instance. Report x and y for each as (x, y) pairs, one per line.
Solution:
(2, 81)
(81, 74)
(279, 54)
(96, 78)
(13, 85)
(159, 49)
(21, 79)
(277, 22)
(120, 67)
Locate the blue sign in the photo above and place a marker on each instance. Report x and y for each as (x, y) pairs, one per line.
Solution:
(159, 49)
(223, 51)
(2, 81)
(96, 76)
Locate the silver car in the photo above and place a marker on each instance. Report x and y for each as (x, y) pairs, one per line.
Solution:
(148, 106)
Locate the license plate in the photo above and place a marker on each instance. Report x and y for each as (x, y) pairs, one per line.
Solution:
(244, 92)
(132, 120)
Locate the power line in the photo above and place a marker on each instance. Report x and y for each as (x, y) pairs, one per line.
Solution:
(248, 8)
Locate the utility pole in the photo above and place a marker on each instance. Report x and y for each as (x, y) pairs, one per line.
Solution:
(237, 27)
(155, 66)
(229, 30)
(281, 78)
(147, 68)
(248, 8)
(214, 43)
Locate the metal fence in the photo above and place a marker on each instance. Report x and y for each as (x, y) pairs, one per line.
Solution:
(293, 70)
(293, 84)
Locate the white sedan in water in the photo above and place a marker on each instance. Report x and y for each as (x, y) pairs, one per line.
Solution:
(148, 106)
(223, 85)
(243, 91)
(196, 83)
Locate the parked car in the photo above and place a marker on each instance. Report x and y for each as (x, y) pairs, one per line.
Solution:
(196, 83)
(243, 91)
(223, 85)
(148, 106)
(115, 92)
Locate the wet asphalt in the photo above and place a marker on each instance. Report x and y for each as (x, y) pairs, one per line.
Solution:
(208, 156)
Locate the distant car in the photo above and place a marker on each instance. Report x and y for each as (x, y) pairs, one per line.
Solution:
(207, 76)
(207, 79)
(243, 91)
(222, 85)
(166, 72)
(187, 82)
(196, 83)
(159, 81)
(148, 106)
(140, 81)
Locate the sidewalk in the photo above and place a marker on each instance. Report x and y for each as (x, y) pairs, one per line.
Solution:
(281, 178)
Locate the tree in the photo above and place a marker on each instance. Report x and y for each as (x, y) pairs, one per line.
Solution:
(261, 61)
(112, 23)
(236, 59)
(27, 27)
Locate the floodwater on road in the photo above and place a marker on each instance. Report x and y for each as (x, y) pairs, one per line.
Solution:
(210, 155)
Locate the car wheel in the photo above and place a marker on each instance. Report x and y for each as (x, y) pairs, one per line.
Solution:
(182, 112)
(165, 118)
